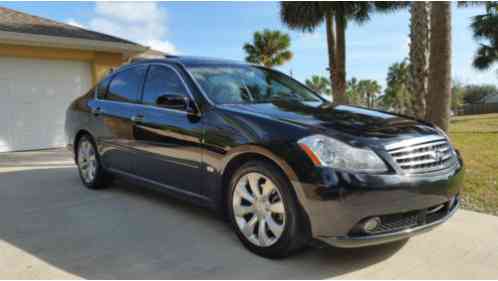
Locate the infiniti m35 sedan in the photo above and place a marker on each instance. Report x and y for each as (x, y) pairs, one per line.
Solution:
(283, 165)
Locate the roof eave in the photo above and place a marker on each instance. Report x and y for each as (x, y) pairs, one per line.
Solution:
(28, 39)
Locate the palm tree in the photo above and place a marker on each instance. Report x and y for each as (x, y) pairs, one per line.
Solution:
(319, 84)
(397, 96)
(307, 16)
(353, 92)
(269, 48)
(369, 89)
(485, 28)
(440, 65)
(419, 56)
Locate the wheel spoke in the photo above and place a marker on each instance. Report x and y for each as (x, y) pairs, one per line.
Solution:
(85, 174)
(274, 227)
(91, 174)
(253, 179)
(267, 188)
(262, 236)
(240, 210)
(248, 228)
(277, 207)
(243, 193)
(84, 166)
(84, 149)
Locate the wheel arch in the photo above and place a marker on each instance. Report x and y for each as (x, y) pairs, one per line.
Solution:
(248, 153)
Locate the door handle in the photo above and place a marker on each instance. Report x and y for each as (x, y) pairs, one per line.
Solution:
(137, 118)
(96, 111)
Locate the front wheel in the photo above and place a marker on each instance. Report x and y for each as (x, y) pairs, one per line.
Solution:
(263, 211)
(89, 167)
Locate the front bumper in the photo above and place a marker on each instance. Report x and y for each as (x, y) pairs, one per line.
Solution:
(370, 240)
(337, 203)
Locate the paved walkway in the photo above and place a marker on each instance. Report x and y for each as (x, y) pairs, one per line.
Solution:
(52, 227)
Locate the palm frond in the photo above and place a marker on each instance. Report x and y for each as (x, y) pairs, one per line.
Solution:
(305, 16)
(485, 57)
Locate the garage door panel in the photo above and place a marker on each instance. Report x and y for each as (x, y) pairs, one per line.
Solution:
(39, 93)
(5, 115)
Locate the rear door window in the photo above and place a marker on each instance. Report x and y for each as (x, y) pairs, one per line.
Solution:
(125, 86)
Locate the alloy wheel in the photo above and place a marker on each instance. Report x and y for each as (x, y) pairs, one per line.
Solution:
(87, 161)
(258, 209)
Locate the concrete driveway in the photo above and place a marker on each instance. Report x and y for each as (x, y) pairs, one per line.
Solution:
(52, 227)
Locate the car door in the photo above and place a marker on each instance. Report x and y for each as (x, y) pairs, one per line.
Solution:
(168, 136)
(115, 107)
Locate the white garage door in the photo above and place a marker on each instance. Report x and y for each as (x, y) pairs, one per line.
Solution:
(34, 96)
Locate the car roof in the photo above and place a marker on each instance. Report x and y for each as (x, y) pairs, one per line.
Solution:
(192, 61)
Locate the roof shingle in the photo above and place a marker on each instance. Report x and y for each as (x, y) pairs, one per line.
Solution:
(15, 21)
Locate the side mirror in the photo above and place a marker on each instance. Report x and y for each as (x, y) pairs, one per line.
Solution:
(178, 102)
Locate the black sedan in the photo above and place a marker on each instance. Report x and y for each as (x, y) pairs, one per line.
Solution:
(284, 165)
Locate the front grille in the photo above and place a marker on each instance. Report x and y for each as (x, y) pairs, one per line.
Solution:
(423, 155)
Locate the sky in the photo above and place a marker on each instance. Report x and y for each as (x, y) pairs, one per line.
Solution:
(220, 29)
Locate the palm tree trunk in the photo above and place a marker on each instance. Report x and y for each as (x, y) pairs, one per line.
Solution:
(340, 59)
(419, 51)
(331, 48)
(440, 65)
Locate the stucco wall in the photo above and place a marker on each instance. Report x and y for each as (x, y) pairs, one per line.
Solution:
(100, 62)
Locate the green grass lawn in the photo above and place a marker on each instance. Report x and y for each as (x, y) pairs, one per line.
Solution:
(476, 136)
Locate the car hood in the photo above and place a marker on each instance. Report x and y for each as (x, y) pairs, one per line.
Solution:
(351, 120)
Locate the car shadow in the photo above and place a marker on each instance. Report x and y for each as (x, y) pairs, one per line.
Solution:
(132, 232)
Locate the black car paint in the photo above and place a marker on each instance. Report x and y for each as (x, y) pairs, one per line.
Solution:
(190, 153)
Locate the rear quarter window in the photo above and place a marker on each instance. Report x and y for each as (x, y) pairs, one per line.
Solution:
(101, 88)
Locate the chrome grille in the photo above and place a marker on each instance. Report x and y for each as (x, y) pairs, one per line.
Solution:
(423, 155)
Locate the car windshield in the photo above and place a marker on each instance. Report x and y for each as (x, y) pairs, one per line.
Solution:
(235, 84)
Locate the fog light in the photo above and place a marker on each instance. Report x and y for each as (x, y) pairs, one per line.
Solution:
(371, 224)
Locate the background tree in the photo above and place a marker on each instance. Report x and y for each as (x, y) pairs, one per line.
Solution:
(353, 92)
(397, 96)
(439, 91)
(307, 16)
(476, 94)
(319, 84)
(419, 56)
(457, 93)
(369, 89)
(269, 48)
(485, 29)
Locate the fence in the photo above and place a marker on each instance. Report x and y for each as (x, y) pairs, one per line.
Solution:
(481, 108)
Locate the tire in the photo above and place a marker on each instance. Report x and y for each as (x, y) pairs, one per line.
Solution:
(283, 231)
(93, 176)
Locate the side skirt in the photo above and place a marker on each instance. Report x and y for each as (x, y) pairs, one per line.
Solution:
(191, 197)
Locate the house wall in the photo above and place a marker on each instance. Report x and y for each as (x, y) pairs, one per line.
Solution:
(101, 62)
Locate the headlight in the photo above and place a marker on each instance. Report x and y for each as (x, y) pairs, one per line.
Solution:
(328, 152)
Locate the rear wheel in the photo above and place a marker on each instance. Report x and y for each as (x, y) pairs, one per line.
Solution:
(91, 172)
(263, 211)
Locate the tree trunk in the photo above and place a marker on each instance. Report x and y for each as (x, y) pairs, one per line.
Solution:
(329, 22)
(419, 51)
(340, 58)
(440, 65)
